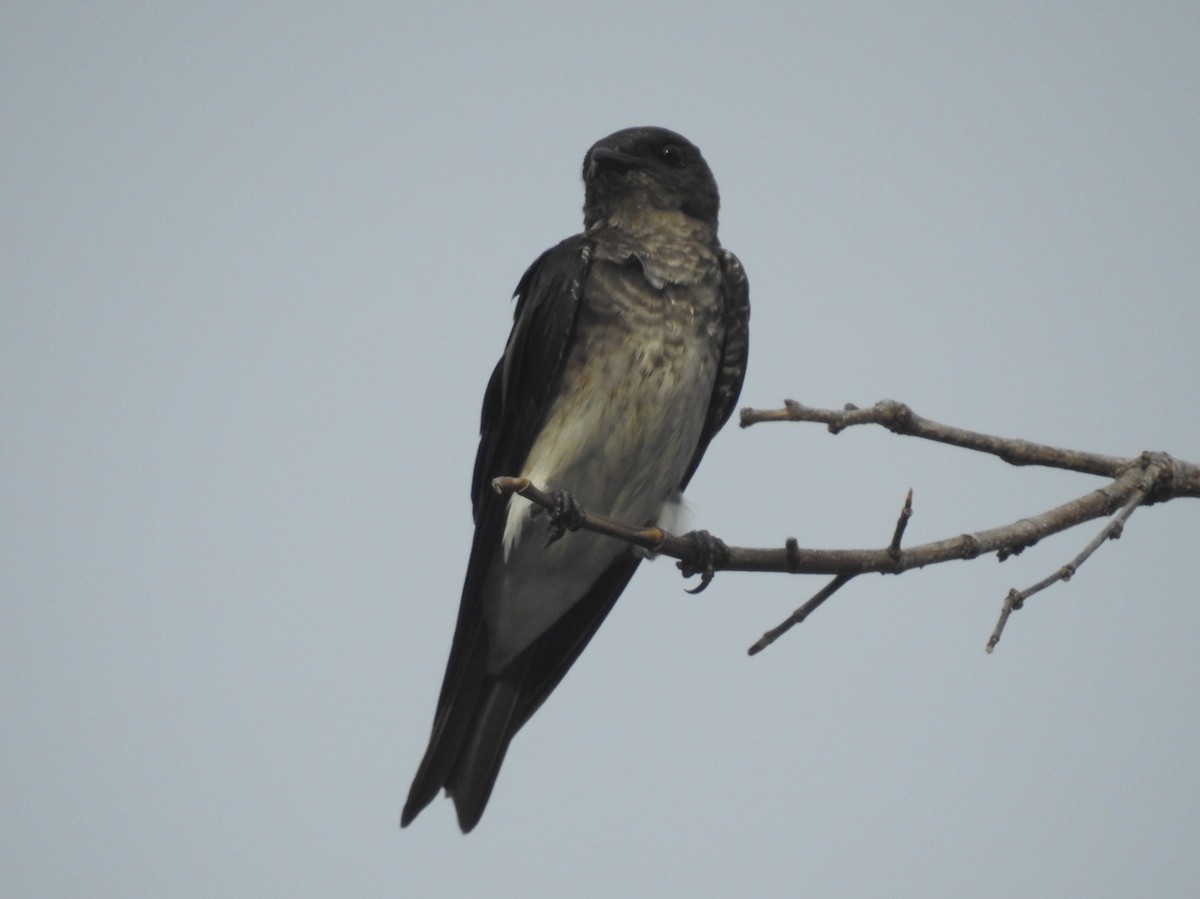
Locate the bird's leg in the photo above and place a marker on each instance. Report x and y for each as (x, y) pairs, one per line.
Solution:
(567, 515)
(707, 553)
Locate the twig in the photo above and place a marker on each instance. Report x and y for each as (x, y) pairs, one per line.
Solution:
(1011, 602)
(800, 614)
(654, 539)
(900, 419)
(1111, 531)
(833, 586)
(797, 560)
(901, 524)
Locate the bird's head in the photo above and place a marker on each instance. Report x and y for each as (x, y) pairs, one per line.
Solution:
(647, 169)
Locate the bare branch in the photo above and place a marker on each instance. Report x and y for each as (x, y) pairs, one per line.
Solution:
(797, 560)
(1142, 480)
(900, 419)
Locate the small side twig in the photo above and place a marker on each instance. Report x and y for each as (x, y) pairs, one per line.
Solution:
(833, 586)
(901, 524)
(1111, 531)
(800, 614)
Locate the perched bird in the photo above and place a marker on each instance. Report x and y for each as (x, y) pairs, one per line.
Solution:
(626, 356)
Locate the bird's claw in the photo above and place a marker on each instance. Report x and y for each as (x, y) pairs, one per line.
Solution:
(707, 554)
(567, 515)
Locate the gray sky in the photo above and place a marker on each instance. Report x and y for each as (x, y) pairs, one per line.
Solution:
(255, 273)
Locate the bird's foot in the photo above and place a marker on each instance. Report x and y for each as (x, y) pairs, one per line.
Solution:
(567, 515)
(707, 553)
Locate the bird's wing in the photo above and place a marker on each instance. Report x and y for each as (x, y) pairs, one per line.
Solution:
(735, 348)
(524, 379)
(517, 397)
(478, 713)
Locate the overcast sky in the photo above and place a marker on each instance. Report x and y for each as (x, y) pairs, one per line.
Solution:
(255, 270)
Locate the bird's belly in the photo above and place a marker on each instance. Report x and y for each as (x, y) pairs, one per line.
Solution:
(619, 437)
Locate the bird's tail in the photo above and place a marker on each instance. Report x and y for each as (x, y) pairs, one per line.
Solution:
(471, 781)
(479, 713)
(468, 743)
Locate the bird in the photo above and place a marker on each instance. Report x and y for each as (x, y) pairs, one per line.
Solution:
(626, 356)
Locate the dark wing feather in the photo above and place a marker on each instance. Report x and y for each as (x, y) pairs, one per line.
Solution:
(478, 713)
(510, 699)
(518, 393)
(735, 348)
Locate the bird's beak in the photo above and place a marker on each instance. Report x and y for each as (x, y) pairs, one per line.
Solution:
(612, 159)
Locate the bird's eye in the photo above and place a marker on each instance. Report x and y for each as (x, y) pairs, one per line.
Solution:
(671, 154)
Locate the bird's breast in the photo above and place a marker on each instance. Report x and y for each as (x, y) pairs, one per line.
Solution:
(623, 424)
(634, 393)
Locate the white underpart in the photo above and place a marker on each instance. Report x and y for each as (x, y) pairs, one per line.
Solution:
(673, 519)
